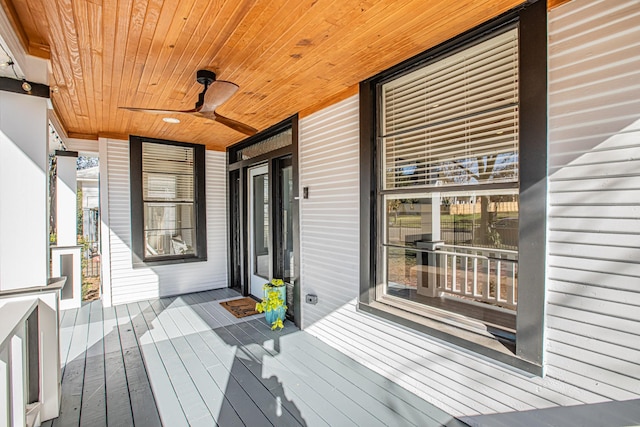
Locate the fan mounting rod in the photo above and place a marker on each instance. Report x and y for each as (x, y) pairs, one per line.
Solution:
(205, 78)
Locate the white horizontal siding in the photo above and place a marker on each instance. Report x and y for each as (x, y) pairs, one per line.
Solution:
(135, 284)
(594, 182)
(593, 278)
(329, 217)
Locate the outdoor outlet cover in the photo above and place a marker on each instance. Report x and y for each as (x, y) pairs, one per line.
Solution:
(311, 299)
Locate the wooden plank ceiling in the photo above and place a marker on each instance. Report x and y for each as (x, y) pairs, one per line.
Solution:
(286, 56)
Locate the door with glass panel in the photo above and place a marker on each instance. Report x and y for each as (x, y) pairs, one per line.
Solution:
(259, 233)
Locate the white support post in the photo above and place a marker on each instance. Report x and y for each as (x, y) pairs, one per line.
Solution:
(105, 230)
(23, 191)
(66, 198)
(66, 258)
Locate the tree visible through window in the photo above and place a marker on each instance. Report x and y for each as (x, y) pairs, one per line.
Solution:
(449, 137)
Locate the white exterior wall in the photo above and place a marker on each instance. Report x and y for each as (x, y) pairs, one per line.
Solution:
(133, 284)
(329, 218)
(23, 191)
(593, 280)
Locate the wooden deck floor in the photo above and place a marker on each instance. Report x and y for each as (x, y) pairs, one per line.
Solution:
(186, 361)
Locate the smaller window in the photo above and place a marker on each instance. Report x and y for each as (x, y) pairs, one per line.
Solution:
(167, 201)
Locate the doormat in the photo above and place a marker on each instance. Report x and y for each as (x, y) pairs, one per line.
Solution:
(241, 307)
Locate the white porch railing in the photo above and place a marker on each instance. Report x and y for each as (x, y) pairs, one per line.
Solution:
(14, 362)
(487, 275)
(29, 355)
(471, 273)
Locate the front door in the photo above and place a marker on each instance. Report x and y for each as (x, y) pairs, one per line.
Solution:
(259, 236)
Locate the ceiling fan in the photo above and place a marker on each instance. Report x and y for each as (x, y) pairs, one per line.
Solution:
(214, 94)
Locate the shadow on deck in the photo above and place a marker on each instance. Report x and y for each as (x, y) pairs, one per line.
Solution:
(186, 361)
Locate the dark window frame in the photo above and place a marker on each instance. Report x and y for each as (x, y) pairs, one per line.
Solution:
(531, 20)
(139, 258)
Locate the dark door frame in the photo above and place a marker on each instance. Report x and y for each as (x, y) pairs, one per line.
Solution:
(238, 213)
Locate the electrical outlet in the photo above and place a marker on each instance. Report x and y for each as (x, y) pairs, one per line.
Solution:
(311, 299)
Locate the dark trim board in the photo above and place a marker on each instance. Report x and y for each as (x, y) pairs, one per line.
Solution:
(12, 85)
(295, 171)
(65, 153)
(533, 181)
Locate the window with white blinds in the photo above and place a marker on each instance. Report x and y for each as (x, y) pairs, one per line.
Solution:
(167, 172)
(455, 121)
(168, 200)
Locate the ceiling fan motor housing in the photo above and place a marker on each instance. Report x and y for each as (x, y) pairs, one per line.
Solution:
(205, 77)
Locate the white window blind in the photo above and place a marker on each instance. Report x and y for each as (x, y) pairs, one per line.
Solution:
(455, 121)
(168, 199)
(167, 173)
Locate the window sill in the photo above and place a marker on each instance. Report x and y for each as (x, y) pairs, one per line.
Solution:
(468, 335)
(170, 260)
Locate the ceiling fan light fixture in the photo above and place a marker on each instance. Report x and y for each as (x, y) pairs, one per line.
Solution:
(170, 120)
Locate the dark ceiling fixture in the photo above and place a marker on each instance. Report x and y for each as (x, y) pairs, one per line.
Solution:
(214, 94)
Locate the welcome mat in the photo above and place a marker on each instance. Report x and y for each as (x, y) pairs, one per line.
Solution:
(241, 307)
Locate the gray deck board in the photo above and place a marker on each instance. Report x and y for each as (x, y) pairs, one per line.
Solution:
(143, 407)
(170, 346)
(405, 404)
(118, 404)
(167, 401)
(73, 373)
(66, 332)
(186, 361)
(93, 412)
(312, 412)
(237, 378)
(326, 400)
(208, 386)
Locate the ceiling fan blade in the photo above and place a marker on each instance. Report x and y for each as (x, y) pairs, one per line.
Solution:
(159, 111)
(217, 94)
(233, 124)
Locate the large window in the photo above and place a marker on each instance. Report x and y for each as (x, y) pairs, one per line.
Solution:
(446, 134)
(449, 133)
(167, 183)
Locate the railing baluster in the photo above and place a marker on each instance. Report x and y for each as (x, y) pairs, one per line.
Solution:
(466, 275)
(475, 277)
(498, 279)
(487, 284)
(454, 273)
(511, 294)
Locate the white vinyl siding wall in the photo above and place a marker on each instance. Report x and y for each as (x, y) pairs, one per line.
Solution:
(593, 279)
(329, 218)
(134, 284)
(593, 328)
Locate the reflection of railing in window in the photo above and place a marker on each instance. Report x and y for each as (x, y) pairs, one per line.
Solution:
(466, 273)
(489, 276)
